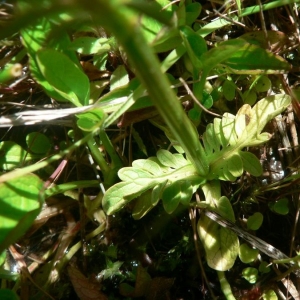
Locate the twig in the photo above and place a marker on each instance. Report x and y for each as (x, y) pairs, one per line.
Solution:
(196, 100)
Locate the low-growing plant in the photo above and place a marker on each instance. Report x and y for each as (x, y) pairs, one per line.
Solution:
(141, 30)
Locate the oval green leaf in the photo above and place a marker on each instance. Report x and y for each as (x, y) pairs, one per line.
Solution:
(38, 143)
(20, 202)
(64, 76)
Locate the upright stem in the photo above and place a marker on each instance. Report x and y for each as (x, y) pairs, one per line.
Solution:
(124, 24)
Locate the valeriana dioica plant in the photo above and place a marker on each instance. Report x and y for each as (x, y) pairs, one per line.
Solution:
(172, 178)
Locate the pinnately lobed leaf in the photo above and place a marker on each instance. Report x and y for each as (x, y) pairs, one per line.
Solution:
(224, 140)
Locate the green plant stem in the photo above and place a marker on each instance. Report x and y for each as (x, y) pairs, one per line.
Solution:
(225, 286)
(256, 8)
(116, 164)
(123, 23)
(98, 157)
(59, 189)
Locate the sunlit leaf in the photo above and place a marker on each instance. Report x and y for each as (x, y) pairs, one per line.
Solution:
(251, 163)
(221, 245)
(250, 274)
(247, 254)
(88, 121)
(64, 76)
(166, 158)
(90, 45)
(21, 201)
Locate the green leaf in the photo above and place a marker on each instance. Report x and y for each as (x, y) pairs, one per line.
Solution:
(176, 192)
(12, 155)
(7, 294)
(263, 84)
(122, 193)
(142, 205)
(255, 221)
(251, 163)
(157, 192)
(166, 158)
(264, 267)
(251, 59)
(119, 78)
(133, 174)
(235, 165)
(269, 295)
(281, 206)
(249, 97)
(221, 245)
(38, 143)
(192, 12)
(250, 274)
(247, 254)
(21, 201)
(147, 165)
(90, 45)
(64, 76)
(224, 140)
(228, 88)
(89, 121)
(195, 46)
(2, 258)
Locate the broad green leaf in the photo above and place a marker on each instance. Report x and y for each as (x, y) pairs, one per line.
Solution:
(251, 163)
(89, 121)
(255, 221)
(263, 84)
(192, 12)
(249, 97)
(119, 78)
(90, 45)
(221, 245)
(281, 206)
(228, 89)
(251, 59)
(38, 143)
(247, 254)
(195, 46)
(21, 201)
(12, 155)
(235, 165)
(269, 295)
(64, 75)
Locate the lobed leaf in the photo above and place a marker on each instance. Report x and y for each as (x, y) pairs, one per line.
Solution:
(226, 137)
